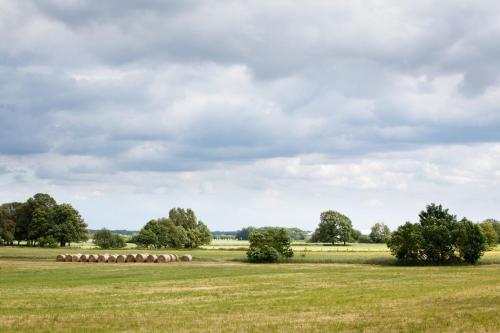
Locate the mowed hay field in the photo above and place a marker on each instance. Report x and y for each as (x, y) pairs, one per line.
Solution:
(216, 293)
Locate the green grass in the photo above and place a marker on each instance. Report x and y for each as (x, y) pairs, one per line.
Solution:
(216, 293)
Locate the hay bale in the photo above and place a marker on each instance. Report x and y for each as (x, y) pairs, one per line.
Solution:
(175, 257)
(112, 258)
(68, 257)
(103, 257)
(121, 258)
(141, 257)
(164, 258)
(84, 258)
(186, 257)
(152, 258)
(76, 257)
(93, 257)
(130, 258)
(61, 257)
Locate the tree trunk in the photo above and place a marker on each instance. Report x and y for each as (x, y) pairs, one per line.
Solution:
(63, 243)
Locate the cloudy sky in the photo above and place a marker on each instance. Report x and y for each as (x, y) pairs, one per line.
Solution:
(251, 112)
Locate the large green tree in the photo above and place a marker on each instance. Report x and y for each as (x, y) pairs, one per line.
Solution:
(333, 227)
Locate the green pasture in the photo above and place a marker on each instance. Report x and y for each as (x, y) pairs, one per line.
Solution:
(317, 291)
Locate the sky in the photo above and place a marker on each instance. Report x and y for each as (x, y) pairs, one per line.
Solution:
(251, 112)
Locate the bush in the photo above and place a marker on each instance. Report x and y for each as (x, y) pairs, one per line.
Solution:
(270, 246)
(264, 253)
(105, 239)
(439, 237)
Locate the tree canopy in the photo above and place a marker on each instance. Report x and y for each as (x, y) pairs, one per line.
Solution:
(41, 221)
(181, 229)
(438, 237)
(333, 227)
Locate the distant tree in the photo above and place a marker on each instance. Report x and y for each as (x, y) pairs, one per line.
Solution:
(380, 233)
(333, 227)
(469, 240)
(244, 233)
(106, 239)
(270, 246)
(364, 239)
(355, 235)
(489, 231)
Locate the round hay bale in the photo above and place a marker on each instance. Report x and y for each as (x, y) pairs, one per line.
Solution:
(93, 257)
(112, 258)
(186, 257)
(76, 257)
(175, 257)
(61, 257)
(84, 258)
(68, 257)
(103, 257)
(152, 258)
(130, 258)
(141, 257)
(121, 258)
(164, 258)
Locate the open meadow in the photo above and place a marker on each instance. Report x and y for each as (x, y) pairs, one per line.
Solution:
(343, 289)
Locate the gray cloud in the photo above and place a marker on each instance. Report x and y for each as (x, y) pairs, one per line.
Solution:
(109, 89)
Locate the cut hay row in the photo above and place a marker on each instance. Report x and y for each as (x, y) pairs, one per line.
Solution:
(122, 258)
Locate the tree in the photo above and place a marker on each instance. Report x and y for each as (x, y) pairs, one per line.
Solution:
(469, 240)
(105, 239)
(180, 229)
(380, 233)
(244, 233)
(7, 227)
(406, 242)
(437, 226)
(67, 225)
(496, 226)
(438, 237)
(490, 233)
(333, 226)
(270, 246)
(355, 235)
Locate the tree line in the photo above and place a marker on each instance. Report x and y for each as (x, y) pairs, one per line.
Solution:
(41, 221)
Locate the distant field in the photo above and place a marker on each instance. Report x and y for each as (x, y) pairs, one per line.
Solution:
(355, 291)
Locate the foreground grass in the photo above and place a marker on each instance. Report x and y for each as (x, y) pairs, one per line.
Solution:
(43, 296)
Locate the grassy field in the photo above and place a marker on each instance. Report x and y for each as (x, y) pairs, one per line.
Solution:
(322, 291)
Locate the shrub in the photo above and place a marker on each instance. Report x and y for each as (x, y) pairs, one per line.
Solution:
(364, 239)
(270, 246)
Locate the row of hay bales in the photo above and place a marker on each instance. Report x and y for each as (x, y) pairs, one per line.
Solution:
(123, 258)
